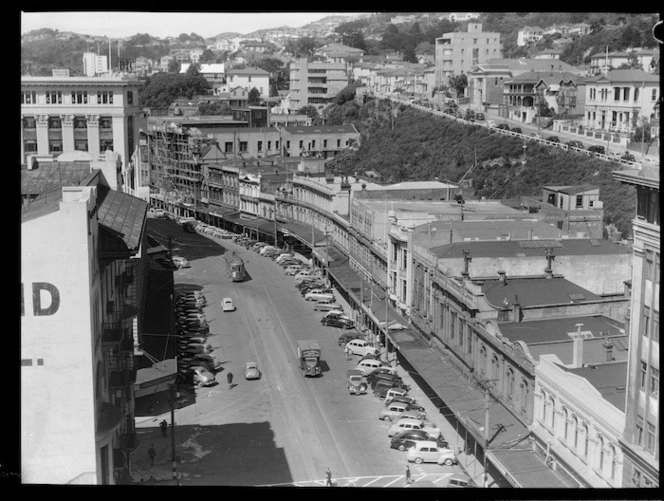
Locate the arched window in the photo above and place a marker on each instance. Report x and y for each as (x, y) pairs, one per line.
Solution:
(575, 424)
(600, 446)
(523, 395)
(565, 424)
(613, 459)
(586, 440)
(552, 405)
(482, 360)
(494, 368)
(545, 404)
(509, 390)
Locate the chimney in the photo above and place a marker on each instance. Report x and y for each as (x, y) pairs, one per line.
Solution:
(516, 309)
(503, 277)
(608, 348)
(577, 354)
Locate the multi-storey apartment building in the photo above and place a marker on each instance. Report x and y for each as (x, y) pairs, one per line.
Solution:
(621, 100)
(94, 64)
(81, 272)
(324, 141)
(602, 62)
(93, 114)
(458, 52)
(640, 439)
(315, 83)
(528, 35)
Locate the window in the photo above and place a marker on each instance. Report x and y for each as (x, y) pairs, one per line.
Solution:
(600, 445)
(469, 341)
(228, 147)
(260, 145)
(575, 423)
(80, 123)
(54, 97)
(404, 259)
(638, 431)
(105, 144)
(243, 146)
(453, 322)
(30, 146)
(288, 145)
(645, 321)
(644, 374)
(301, 144)
(276, 145)
(338, 143)
(650, 437)
(81, 145)
(553, 414)
(586, 440)
(29, 97)
(625, 93)
(29, 123)
(565, 424)
(104, 97)
(653, 96)
(509, 388)
(612, 453)
(55, 146)
(653, 387)
(313, 143)
(636, 94)
(54, 123)
(579, 201)
(636, 478)
(324, 143)
(269, 145)
(130, 97)
(105, 123)
(79, 97)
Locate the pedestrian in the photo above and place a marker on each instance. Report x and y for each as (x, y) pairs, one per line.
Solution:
(348, 353)
(152, 453)
(164, 427)
(328, 475)
(408, 479)
(229, 378)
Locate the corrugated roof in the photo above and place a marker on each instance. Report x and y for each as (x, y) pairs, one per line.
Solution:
(50, 175)
(125, 215)
(533, 291)
(508, 248)
(625, 76)
(556, 329)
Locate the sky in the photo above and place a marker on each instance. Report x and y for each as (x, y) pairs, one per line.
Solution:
(165, 24)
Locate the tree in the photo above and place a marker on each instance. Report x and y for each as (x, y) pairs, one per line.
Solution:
(161, 89)
(174, 66)
(254, 97)
(207, 57)
(459, 83)
(310, 111)
(193, 70)
(641, 133)
(214, 108)
(302, 47)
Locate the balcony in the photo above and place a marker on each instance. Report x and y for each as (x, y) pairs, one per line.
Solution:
(112, 333)
(122, 371)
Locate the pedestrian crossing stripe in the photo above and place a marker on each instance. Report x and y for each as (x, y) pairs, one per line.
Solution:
(368, 481)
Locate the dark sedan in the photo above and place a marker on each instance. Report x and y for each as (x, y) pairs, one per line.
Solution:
(406, 439)
(341, 323)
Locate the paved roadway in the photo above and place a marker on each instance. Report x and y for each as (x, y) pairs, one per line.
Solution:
(283, 429)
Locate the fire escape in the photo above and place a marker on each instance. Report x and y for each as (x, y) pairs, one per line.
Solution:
(118, 348)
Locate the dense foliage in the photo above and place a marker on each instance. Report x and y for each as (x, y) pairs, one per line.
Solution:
(401, 143)
(161, 89)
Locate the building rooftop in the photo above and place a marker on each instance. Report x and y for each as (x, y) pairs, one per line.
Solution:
(627, 76)
(534, 291)
(521, 248)
(523, 64)
(492, 229)
(248, 71)
(610, 380)
(544, 332)
(320, 129)
(572, 189)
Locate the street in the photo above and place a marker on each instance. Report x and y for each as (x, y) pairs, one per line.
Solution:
(284, 428)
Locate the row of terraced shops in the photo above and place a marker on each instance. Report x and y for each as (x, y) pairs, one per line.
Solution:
(511, 461)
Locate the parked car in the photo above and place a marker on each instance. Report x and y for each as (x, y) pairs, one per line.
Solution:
(282, 257)
(227, 304)
(271, 253)
(427, 451)
(393, 411)
(503, 126)
(479, 116)
(406, 439)
(251, 371)
(289, 262)
(293, 269)
(310, 285)
(386, 375)
(200, 376)
(393, 393)
(409, 423)
(368, 365)
(405, 400)
(347, 336)
(339, 322)
(628, 157)
(517, 130)
(595, 148)
(490, 123)
(553, 139)
(575, 144)
(328, 306)
(319, 296)
(361, 347)
(181, 262)
(356, 382)
(381, 388)
(460, 480)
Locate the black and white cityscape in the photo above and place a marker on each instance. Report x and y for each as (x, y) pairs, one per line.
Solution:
(381, 250)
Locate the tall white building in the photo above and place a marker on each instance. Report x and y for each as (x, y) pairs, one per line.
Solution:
(94, 64)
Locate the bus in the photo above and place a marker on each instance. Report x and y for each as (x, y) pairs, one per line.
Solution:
(238, 273)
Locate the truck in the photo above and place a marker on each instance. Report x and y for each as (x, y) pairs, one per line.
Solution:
(308, 352)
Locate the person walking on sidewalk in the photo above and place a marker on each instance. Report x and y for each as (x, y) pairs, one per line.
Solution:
(229, 378)
(348, 353)
(152, 453)
(164, 427)
(328, 475)
(409, 480)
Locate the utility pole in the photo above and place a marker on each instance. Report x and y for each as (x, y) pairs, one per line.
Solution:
(173, 395)
(487, 404)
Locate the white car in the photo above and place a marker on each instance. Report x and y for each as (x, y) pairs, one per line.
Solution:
(227, 304)
(201, 376)
(407, 424)
(490, 123)
(430, 452)
(361, 347)
(181, 262)
(251, 371)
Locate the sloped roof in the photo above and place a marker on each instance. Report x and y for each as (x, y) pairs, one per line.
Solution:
(609, 379)
(631, 76)
(320, 129)
(125, 215)
(528, 64)
(534, 291)
(572, 189)
(50, 175)
(248, 71)
(556, 329)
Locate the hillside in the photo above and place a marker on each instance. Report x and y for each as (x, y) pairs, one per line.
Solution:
(417, 146)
